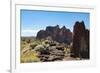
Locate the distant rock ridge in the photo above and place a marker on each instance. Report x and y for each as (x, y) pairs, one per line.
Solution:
(61, 35)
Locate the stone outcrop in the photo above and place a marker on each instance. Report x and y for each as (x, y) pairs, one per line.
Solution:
(61, 35)
(52, 53)
(80, 47)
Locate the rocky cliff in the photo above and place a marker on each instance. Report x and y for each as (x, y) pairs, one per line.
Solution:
(61, 35)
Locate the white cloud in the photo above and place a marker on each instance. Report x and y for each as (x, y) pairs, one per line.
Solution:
(29, 32)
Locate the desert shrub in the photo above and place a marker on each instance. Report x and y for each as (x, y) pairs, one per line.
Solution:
(67, 51)
(33, 45)
(45, 43)
(23, 45)
(39, 48)
(29, 57)
(28, 40)
(37, 41)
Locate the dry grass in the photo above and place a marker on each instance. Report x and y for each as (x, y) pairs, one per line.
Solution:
(29, 57)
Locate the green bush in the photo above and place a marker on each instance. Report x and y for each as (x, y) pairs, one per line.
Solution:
(39, 48)
(33, 45)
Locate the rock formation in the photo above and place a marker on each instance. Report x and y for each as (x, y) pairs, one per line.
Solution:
(51, 53)
(61, 35)
(80, 46)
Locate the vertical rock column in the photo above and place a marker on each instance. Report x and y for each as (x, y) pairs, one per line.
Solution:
(80, 46)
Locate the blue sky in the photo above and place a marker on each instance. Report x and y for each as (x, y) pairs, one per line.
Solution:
(34, 20)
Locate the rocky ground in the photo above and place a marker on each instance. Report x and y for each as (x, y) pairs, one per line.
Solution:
(46, 51)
